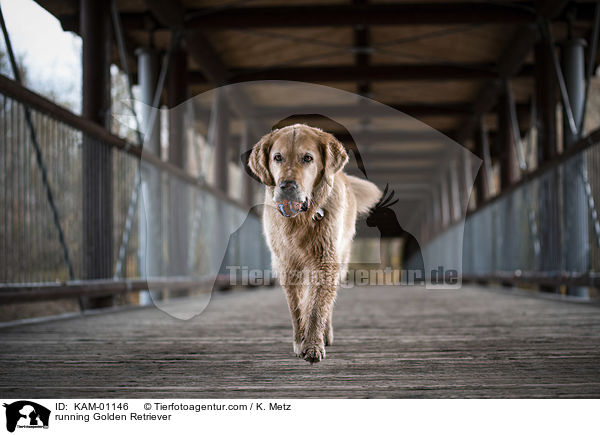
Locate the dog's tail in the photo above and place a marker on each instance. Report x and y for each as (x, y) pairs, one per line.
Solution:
(366, 194)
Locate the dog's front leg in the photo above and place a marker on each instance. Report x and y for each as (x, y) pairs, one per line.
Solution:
(328, 335)
(293, 294)
(320, 304)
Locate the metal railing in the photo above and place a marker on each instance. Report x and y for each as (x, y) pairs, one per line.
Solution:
(32, 266)
(544, 230)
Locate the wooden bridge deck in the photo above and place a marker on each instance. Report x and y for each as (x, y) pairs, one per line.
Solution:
(390, 342)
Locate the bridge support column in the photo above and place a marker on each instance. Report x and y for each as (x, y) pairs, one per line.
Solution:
(177, 94)
(246, 144)
(546, 97)
(548, 212)
(150, 252)
(97, 170)
(576, 255)
(221, 143)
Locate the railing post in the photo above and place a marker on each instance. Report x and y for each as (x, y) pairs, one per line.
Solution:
(97, 171)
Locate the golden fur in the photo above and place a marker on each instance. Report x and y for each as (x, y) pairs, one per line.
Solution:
(310, 255)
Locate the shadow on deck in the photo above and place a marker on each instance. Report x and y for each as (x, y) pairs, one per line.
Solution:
(390, 342)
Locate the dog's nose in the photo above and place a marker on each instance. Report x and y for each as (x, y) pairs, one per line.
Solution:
(288, 185)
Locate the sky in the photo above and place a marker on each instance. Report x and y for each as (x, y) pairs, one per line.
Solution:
(52, 57)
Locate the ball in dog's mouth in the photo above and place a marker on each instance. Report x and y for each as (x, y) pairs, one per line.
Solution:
(289, 208)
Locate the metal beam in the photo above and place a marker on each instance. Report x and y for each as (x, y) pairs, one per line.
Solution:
(349, 15)
(420, 174)
(312, 113)
(412, 109)
(353, 73)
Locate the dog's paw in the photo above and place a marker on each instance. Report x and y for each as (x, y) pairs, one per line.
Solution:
(313, 352)
(298, 349)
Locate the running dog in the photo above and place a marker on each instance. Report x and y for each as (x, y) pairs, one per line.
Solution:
(309, 220)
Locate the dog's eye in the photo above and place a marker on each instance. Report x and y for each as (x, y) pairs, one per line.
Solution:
(307, 158)
(277, 157)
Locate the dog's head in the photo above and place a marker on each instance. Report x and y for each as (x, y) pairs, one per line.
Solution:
(298, 161)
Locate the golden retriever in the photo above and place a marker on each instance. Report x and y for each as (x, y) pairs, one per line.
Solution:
(309, 221)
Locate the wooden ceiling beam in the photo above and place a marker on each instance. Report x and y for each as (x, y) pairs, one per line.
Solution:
(349, 15)
(354, 73)
(416, 110)
(319, 15)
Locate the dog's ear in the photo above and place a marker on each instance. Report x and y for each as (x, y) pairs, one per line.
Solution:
(259, 160)
(334, 153)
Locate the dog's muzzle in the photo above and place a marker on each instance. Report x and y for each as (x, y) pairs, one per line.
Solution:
(288, 197)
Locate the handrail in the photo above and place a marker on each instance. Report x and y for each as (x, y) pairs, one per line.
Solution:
(19, 93)
(591, 279)
(581, 145)
(35, 292)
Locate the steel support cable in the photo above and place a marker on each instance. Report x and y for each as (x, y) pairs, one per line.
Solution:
(38, 154)
(533, 226)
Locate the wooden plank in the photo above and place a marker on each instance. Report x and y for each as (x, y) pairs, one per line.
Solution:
(391, 342)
